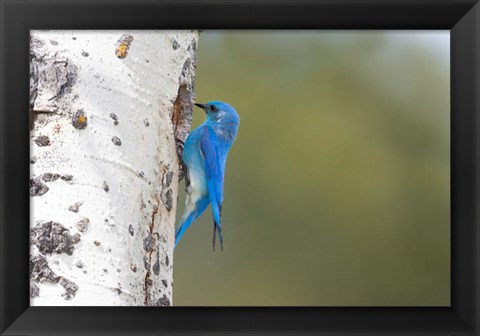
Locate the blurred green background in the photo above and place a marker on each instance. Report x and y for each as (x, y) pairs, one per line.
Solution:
(337, 188)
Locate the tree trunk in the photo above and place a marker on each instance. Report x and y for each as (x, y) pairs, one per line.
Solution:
(107, 109)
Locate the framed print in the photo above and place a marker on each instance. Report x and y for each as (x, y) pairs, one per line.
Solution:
(240, 168)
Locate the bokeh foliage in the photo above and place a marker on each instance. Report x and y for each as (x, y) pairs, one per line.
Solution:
(337, 188)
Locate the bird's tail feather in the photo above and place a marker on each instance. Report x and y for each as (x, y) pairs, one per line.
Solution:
(217, 217)
(214, 234)
(220, 235)
(188, 219)
(180, 231)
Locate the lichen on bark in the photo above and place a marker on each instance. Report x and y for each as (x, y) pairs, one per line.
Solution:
(40, 272)
(51, 237)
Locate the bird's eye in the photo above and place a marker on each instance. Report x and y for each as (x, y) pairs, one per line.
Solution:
(213, 108)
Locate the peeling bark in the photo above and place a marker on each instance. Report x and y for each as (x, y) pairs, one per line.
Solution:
(108, 110)
(183, 106)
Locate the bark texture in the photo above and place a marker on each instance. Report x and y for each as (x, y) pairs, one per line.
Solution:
(109, 110)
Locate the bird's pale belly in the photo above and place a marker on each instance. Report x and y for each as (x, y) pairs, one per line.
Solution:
(198, 182)
(195, 164)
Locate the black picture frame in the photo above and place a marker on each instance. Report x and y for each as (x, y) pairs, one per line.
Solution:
(461, 17)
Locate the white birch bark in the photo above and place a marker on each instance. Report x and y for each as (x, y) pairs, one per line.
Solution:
(106, 108)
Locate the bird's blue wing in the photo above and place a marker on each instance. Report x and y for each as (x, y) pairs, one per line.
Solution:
(211, 150)
(211, 146)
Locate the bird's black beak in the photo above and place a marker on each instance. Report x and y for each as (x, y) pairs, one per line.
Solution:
(202, 106)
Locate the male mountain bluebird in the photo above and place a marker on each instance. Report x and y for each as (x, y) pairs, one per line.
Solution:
(205, 154)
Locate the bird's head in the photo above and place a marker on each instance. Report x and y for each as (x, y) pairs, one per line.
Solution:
(219, 112)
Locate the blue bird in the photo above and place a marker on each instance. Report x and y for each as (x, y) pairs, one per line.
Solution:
(204, 155)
